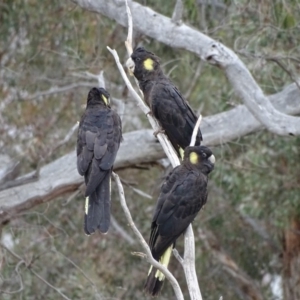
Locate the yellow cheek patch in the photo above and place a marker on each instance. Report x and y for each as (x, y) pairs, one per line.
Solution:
(148, 64)
(105, 99)
(193, 158)
(181, 153)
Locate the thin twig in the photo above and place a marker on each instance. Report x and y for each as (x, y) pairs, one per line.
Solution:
(49, 284)
(250, 92)
(136, 190)
(178, 256)
(195, 131)
(189, 264)
(177, 13)
(59, 89)
(31, 177)
(140, 254)
(141, 193)
(194, 80)
(72, 196)
(29, 267)
(128, 42)
(20, 289)
(65, 140)
(11, 252)
(78, 268)
(143, 243)
(121, 231)
(101, 80)
(169, 150)
(281, 65)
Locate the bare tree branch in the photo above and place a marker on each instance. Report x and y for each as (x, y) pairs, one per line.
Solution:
(277, 59)
(177, 13)
(192, 40)
(29, 267)
(101, 80)
(165, 143)
(65, 140)
(49, 284)
(20, 289)
(194, 79)
(60, 176)
(237, 122)
(214, 3)
(8, 168)
(59, 89)
(188, 262)
(195, 131)
(189, 265)
(128, 42)
(281, 65)
(164, 31)
(94, 286)
(144, 244)
(121, 231)
(247, 88)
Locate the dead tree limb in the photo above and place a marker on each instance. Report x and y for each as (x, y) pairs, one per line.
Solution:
(250, 92)
(151, 260)
(185, 37)
(60, 176)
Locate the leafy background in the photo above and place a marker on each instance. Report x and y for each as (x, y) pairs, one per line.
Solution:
(46, 44)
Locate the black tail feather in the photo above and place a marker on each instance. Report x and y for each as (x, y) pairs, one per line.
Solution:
(155, 279)
(153, 285)
(105, 196)
(97, 210)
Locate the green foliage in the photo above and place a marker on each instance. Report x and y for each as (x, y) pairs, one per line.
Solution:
(257, 175)
(285, 15)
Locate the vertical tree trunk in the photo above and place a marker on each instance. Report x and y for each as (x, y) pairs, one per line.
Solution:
(291, 261)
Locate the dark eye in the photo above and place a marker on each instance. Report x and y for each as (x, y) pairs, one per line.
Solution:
(204, 155)
(137, 59)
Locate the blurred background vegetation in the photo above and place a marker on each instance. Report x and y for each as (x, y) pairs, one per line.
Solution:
(254, 197)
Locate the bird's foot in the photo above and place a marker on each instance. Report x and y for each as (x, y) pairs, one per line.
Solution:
(149, 113)
(160, 130)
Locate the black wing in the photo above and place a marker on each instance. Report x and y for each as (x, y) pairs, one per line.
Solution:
(99, 138)
(182, 196)
(174, 114)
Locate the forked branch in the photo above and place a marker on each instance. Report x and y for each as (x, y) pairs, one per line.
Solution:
(145, 246)
(189, 254)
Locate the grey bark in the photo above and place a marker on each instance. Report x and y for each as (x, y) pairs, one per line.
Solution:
(61, 177)
(250, 92)
(192, 40)
(143, 243)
